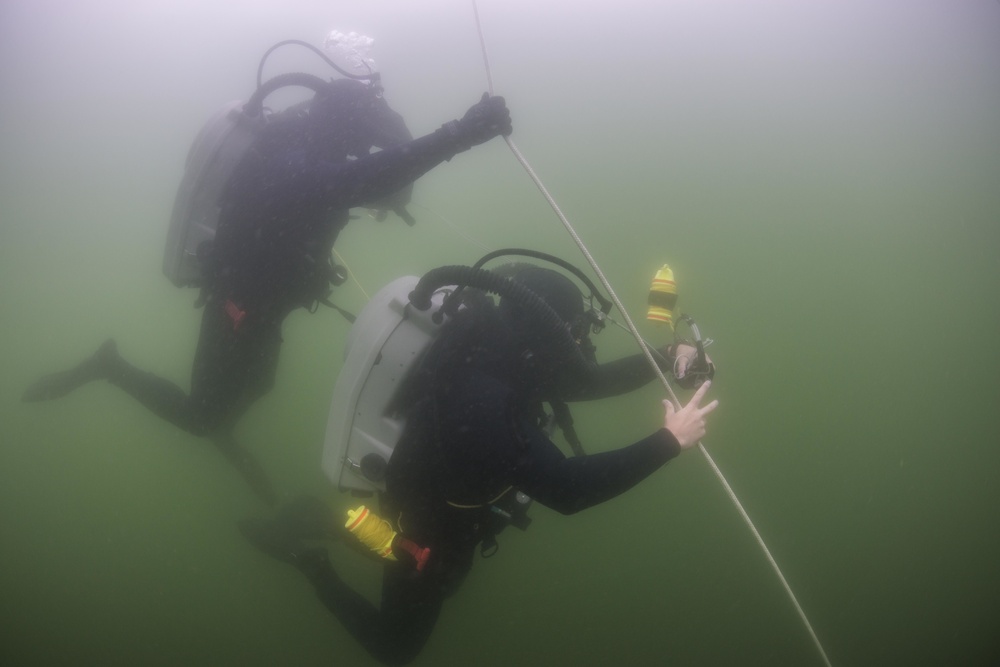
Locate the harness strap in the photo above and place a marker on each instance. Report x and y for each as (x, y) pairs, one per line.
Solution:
(487, 503)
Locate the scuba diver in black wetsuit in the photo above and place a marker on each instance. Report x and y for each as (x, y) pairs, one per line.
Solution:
(473, 454)
(281, 211)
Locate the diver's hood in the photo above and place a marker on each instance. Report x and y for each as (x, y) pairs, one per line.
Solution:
(355, 114)
(562, 296)
(543, 336)
(350, 109)
(555, 289)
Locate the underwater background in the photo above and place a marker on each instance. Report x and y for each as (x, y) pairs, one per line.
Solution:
(822, 175)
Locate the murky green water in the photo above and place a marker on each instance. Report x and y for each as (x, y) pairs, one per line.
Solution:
(823, 179)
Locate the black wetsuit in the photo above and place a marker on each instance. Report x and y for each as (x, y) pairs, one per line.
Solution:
(283, 208)
(285, 205)
(471, 439)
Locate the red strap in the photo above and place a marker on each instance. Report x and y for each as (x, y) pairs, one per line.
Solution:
(235, 314)
(420, 554)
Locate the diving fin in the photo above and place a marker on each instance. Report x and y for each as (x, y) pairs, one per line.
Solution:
(57, 385)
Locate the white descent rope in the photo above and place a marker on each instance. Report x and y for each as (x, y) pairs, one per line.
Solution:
(646, 351)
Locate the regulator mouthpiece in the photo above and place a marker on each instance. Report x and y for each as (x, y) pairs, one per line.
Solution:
(662, 297)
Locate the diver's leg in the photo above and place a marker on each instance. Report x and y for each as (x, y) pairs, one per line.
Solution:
(216, 402)
(221, 371)
(396, 631)
(246, 465)
(231, 369)
(230, 372)
(200, 413)
(161, 396)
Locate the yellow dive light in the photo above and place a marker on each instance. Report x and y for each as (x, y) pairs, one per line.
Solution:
(662, 296)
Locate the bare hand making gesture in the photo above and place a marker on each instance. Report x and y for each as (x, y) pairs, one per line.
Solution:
(688, 423)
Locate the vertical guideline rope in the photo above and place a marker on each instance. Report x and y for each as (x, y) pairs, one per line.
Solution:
(645, 349)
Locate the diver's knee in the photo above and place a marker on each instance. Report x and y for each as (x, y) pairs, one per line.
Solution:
(203, 421)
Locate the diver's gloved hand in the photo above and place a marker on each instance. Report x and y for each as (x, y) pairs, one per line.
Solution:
(689, 373)
(487, 118)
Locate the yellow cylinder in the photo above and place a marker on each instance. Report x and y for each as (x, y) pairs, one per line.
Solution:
(662, 296)
(371, 530)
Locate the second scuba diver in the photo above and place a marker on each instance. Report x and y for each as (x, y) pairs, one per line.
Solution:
(474, 452)
(281, 212)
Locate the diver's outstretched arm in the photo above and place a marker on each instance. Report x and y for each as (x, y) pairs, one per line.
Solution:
(621, 376)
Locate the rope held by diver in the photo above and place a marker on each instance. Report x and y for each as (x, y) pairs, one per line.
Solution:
(646, 351)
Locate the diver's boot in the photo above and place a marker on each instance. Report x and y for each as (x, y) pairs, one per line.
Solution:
(268, 538)
(312, 561)
(99, 366)
(309, 518)
(282, 537)
(259, 533)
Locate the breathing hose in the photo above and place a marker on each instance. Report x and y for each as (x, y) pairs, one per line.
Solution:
(371, 76)
(255, 105)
